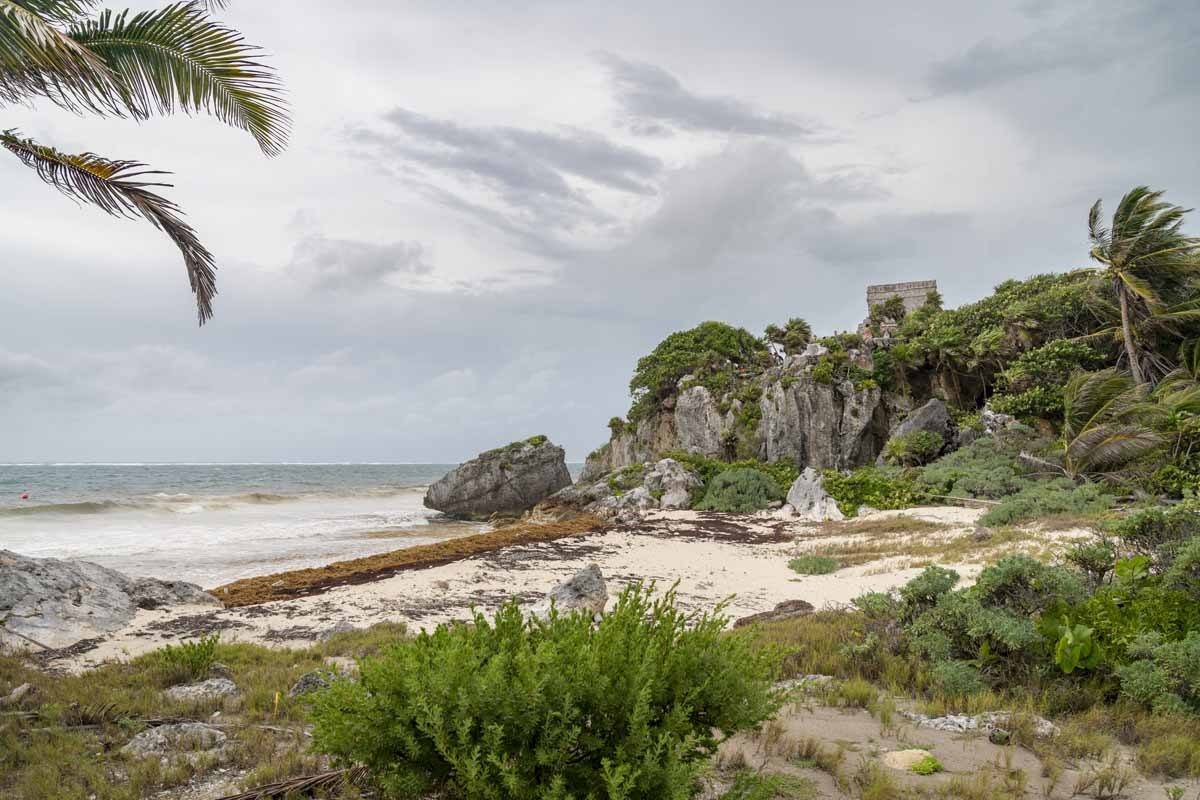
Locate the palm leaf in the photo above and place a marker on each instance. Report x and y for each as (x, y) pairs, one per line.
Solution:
(327, 783)
(121, 189)
(39, 60)
(1107, 447)
(178, 57)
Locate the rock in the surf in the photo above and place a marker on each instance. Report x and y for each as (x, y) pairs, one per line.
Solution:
(49, 603)
(509, 479)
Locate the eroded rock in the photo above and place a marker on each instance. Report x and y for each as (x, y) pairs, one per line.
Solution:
(809, 500)
(585, 591)
(509, 479)
(204, 691)
(176, 737)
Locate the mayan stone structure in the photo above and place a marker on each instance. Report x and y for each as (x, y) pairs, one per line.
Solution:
(913, 293)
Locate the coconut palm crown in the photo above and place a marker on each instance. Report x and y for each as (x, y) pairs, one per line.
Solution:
(122, 64)
(1150, 265)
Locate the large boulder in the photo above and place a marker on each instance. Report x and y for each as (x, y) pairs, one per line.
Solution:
(810, 501)
(933, 417)
(509, 479)
(54, 603)
(671, 483)
(175, 737)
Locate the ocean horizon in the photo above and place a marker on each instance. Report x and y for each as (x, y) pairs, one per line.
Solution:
(211, 523)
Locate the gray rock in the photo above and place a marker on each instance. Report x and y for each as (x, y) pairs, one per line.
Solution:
(19, 695)
(810, 501)
(994, 423)
(179, 736)
(699, 425)
(341, 626)
(311, 682)
(211, 689)
(508, 479)
(673, 482)
(960, 723)
(585, 590)
(932, 417)
(54, 603)
(788, 609)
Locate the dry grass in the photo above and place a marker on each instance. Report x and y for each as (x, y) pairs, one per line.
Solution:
(286, 585)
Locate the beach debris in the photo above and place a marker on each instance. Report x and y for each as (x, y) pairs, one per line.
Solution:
(211, 689)
(50, 603)
(178, 736)
(585, 590)
(961, 723)
(788, 609)
(810, 501)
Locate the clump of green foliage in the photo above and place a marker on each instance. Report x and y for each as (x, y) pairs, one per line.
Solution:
(929, 765)
(784, 473)
(532, 441)
(792, 338)
(986, 468)
(626, 478)
(878, 487)
(514, 708)
(813, 564)
(913, 449)
(740, 490)
(1048, 498)
(188, 661)
(712, 353)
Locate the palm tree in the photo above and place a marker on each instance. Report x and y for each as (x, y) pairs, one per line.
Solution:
(176, 58)
(1108, 423)
(1148, 263)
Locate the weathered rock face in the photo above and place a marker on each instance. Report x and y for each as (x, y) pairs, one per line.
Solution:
(809, 500)
(626, 494)
(204, 691)
(933, 417)
(53, 603)
(802, 420)
(175, 737)
(508, 479)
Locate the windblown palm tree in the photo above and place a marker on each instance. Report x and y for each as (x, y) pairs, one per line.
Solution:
(1108, 423)
(177, 58)
(1149, 264)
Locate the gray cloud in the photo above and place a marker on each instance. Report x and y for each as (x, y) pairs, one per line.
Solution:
(654, 99)
(345, 264)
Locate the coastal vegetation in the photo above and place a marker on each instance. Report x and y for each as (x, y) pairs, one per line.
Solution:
(138, 65)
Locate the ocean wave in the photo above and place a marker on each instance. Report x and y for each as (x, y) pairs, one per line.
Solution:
(84, 507)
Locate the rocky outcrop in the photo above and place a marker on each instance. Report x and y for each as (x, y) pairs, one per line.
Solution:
(933, 417)
(507, 480)
(175, 737)
(799, 419)
(788, 609)
(627, 493)
(809, 500)
(584, 591)
(49, 603)
(204, 691)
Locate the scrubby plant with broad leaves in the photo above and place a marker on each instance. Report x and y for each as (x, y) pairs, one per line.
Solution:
(515, 708)
(740, 491)
(878, 487)
(913, 449)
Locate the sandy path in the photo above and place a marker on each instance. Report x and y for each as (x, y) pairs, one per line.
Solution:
(712, 557)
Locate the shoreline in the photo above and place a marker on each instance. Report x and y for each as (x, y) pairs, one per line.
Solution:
(710, 557)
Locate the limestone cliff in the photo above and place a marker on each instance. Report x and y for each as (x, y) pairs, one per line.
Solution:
(797, 417)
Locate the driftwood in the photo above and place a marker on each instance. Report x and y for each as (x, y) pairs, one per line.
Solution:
(331, 781)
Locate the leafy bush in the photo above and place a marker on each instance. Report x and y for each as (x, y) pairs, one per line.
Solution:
(706, 351)
(783, 472)
(525, 709)
(1159, 532)
(812, 564)
(1047, 498)
(188, 661)
(1169, 679)
(750, 785)
(929, 765)
(878, 487)
(793, 337)
(740, 491)
(957, 678)
(923, 591)
(986, 468)
(913, 449)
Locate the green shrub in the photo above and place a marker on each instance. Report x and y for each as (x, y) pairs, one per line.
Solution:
(812, 564)
(913, 449)
(986, 468)
(783, 472)
(750, 785)
(740, 491)
(1048, 498)
(923, 591)
(628, 477)
(792, 338)
(524, 709)
(709, 352)
(957, 678)
(188, 661)
(1096, 559)
(927, 766)
(1168, 681)
(877, 487)
(1159, 532)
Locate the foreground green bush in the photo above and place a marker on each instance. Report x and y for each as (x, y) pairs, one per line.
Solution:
(740, 491)
(521, 709)
(878, 487)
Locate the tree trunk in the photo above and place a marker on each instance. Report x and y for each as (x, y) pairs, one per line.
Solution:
(1135, 364)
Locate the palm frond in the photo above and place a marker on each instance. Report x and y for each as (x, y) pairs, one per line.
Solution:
(328, 783)
(121, 188)
(62, 12)
(1111, 446)
(38, 60)
(177, 57)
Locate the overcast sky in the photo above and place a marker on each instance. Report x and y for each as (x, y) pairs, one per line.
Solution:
(489, 211)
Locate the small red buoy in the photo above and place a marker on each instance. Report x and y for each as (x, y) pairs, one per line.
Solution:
(25, 496)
